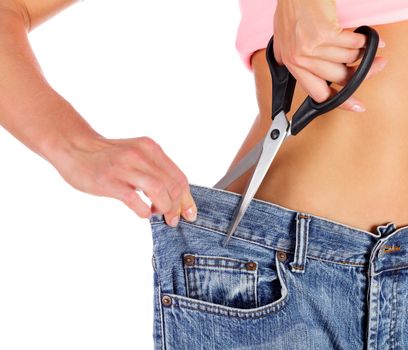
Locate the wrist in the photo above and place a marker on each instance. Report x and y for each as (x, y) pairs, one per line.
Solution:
(59, 149)
(64, 139)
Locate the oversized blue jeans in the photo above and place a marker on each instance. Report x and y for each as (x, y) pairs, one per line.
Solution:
(285, 280)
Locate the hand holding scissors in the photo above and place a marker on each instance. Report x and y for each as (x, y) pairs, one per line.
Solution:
(283, 86)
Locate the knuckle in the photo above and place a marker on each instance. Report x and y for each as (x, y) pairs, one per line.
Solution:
(305, 49)
(288, 60)
(295, 59)
(133, 158)
(182, 181)
(175, 190)
(127, 155)
(149, 143)
(300, 61)
(352, 56)
(320, 96)
(358, 40)
(132, 154)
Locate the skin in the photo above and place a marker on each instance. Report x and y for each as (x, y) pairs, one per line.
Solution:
(338, 167)
(345, 166)
(44, 121)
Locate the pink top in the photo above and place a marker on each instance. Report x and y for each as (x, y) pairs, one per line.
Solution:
(256, 26)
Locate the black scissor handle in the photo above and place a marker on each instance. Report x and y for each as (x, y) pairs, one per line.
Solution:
(283, 83)
(309, 108)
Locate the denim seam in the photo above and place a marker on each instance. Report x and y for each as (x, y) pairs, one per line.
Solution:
(337, 262)
(393, 311)
(239, 270)
(269, 310)
(217, 257)
(388, 270)
(159, 302)
(186, 281)
(163, 339)
(237, 233)
(272, 247)
(256, 288)
(302, 229)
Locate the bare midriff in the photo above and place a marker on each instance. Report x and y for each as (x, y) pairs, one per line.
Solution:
(348, 167)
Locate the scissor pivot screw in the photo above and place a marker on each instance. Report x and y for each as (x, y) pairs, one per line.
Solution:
(251, 266)
(189, 260)
(275, 134)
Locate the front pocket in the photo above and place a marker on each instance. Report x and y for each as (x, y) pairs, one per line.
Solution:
(275, 301)
(221, 280)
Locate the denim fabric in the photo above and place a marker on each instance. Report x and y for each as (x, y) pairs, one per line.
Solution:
(285, 280)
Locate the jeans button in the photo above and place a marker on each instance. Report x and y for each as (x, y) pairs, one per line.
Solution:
(282, 256)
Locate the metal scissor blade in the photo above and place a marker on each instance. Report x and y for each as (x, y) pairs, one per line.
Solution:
(241, 167)
(271, 144)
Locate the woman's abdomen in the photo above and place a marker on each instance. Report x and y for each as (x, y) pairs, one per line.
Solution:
(344, 166)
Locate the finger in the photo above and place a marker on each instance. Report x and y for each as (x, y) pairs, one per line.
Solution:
(189, 208)
(163, 202)
(350, 40)
(339, 73)
(337, 54)
(156, 163)
(152, 187)
(320, 92)
(326, 70)
(175, 179)
(378, 65)
(352, 104)
(128, 195)
(313, 85)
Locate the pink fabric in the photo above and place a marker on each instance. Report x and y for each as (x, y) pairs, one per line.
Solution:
(256, 25)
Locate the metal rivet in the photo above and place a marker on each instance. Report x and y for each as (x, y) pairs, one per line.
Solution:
(282, 256)
(166, 300)
(275, 134)
(189, 260)
(251, 265)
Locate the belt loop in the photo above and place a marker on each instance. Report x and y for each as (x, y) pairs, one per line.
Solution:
(302, 234)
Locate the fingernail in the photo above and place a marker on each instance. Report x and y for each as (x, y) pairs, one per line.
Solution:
(191, 214)
(381, 43)
(174, 221)
(358, 108)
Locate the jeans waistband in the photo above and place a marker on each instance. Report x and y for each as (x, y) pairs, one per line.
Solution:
(274, 226)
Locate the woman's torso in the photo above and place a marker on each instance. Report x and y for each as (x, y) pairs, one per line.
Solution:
(344, 166)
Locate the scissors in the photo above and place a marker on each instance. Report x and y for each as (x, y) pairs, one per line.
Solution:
(283, 86)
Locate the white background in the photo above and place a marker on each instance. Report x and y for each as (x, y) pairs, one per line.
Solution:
(75, 269)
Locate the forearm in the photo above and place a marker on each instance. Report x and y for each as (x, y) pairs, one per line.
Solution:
(29, 108)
